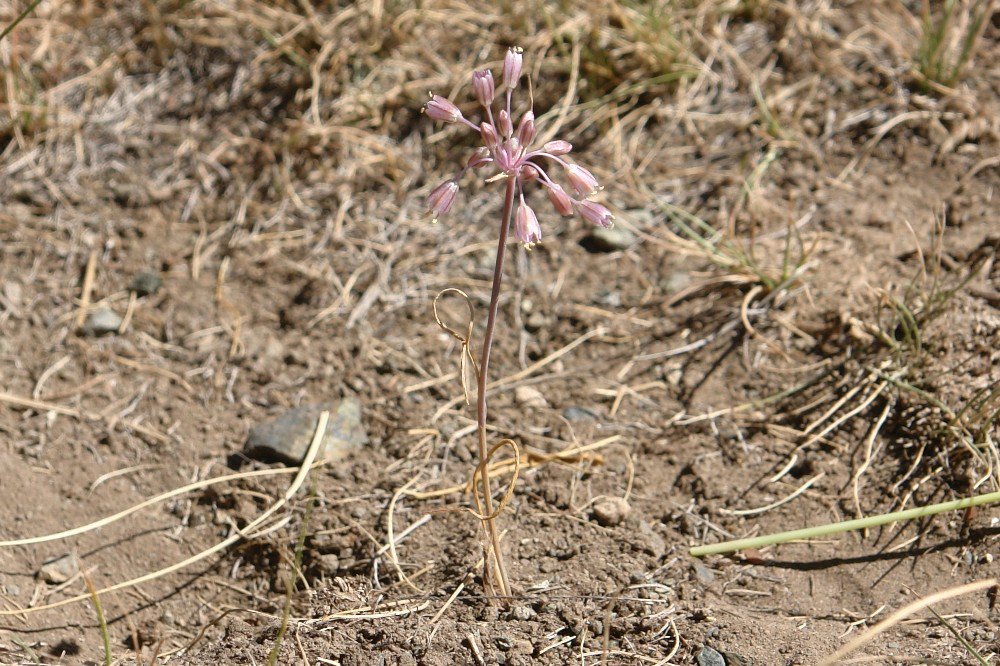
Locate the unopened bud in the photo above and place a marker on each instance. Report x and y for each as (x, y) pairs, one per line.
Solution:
(442, 109)
(526, 227)
(483, 86)
(478, 158)
(503, 120)
(595, 213)
(490, 138)
(441, 198)
(557, 147)
(528, 173)
(512, 67)
(582, 180)
(526, 128)
(560, 200)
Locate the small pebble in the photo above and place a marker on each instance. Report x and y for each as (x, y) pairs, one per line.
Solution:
(529, 396)
(610, 511)
(329, 563)
(578, 414)
(709, 657)
(601, 240)
(536, 321)
(675, 281)
(522, 613)
(102, 322)
(704, 574)
(59, 569)
(145, 284)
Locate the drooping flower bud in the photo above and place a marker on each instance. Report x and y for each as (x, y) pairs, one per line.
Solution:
(506, 126)
(512, 67)
(526, 227)
(483, 86)
(560, 200)
(595, 213)
(490, 138)
(478, 158)
(582, 180)
(557, 147)
(528, 173)
(442, 109)
(526, 128)
(441, 198)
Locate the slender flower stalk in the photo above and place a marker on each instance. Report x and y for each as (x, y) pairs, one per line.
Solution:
(508, 146)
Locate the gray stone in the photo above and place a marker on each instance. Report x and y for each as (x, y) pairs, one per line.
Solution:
(287, 437)
(610, 511)
(102, 322)
(733, 659)
(709, 657)
(522, 613)
(704, 574)
(146, 283)
(60, 569)
(650, 540)
(579, 414)
(614, 239)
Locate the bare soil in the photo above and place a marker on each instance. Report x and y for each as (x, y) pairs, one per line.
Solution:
(269, 162)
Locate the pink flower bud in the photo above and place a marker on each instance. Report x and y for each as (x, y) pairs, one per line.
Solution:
(442, 109)
(595, 213)
(483, 86)
(512, 67)
(582, 180)
(526, 128)
(506, 127)
(528, 173)
(560, 200)
(490, 138)
(441, 198)
(478, 158)
(558, 147)
(526, 227)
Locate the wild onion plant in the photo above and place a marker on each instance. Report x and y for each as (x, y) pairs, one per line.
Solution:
(509, 152)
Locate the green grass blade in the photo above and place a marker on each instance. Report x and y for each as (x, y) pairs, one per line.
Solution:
(843, 526)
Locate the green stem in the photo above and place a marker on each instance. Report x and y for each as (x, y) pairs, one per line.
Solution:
(20, 17)
(844, 526)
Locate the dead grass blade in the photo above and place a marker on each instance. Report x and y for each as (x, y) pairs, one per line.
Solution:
(247, 532)
(903, 613)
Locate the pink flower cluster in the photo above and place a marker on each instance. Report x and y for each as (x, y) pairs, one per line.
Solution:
(510, 151)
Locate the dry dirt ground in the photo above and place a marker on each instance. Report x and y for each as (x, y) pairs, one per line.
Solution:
(831, 337)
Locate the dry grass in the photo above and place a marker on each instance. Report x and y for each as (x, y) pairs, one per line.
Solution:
(288, 134)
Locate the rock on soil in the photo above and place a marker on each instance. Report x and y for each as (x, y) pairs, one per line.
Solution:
(709, 657)
(59, 569)
(579, 414)
(610, 511)
(529, 396)
(102, 322)
(145, 284)
(286, 438)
